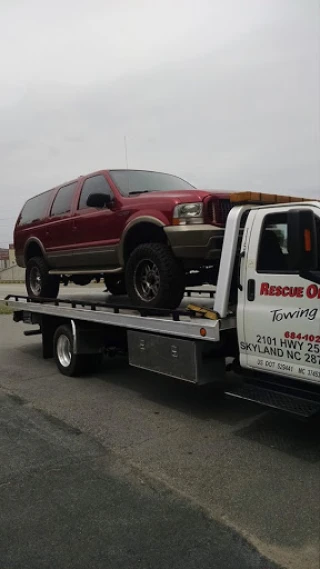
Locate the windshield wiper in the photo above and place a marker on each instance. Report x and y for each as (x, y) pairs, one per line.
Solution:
(138, 192)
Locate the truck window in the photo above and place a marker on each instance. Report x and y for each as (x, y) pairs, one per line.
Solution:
(35, 209)
(128, 181)
(273, 252)
(94, 185)
(63, 200)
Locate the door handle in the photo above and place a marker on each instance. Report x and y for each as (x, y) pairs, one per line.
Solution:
(251, 291)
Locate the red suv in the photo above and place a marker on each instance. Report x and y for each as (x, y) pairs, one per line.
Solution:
(148, 234)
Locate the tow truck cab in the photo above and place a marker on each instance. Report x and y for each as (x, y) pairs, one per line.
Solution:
(278, 310)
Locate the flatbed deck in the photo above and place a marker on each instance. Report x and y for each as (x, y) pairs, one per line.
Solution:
(181, 322)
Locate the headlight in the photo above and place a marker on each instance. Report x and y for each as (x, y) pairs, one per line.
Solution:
(186, 213)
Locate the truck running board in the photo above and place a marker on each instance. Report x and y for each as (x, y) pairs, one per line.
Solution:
(291, 400)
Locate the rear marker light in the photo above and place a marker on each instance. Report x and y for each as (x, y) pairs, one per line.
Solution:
(307, 241)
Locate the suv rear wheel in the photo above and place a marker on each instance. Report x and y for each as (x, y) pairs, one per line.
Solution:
(154, 278)
(115, 284)
(38, 281)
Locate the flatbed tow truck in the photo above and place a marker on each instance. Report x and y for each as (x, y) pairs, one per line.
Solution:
(260, 339)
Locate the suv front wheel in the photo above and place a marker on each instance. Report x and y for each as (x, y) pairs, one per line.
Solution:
(154, 278)
(39, 283)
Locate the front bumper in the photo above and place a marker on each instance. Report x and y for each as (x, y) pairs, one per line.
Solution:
(195, 241)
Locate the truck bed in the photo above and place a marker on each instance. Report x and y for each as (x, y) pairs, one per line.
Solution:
(180, 322)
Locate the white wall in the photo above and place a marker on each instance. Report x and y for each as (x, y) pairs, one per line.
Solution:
(12, 274)
(4, 263)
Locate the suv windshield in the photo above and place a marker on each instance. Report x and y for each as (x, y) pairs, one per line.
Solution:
(130, 182)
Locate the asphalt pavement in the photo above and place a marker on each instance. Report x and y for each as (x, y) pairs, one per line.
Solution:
(128, 469)
(65, 501)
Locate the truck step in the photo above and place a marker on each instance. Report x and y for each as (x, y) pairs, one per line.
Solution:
(275, 399)
(32, 332)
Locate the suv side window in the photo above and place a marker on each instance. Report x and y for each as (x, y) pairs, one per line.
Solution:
(273, 252)
(35, 208)
(63, 200)
(95, 185)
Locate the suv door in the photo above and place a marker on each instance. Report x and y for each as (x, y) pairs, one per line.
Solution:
(59, 240)
(96, 231)
(279, 314)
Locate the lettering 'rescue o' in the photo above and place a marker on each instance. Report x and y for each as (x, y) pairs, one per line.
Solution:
(312, 291)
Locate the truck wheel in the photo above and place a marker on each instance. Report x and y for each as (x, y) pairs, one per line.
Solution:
(38, 281)
(115, 284)
(67, 361)
(154, 278)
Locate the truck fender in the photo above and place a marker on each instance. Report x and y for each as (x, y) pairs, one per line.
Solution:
(130, 225)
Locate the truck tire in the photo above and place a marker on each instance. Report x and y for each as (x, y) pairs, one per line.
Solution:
(69, 363)
(154, 278)
(39, 283)
(115, 284)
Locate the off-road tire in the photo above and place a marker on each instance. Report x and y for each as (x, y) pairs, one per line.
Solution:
(48, 284)
(172, 278)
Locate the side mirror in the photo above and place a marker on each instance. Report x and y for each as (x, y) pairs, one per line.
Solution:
(302, 240)
(99, 200)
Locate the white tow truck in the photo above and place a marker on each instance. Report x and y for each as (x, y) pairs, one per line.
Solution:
(260, 338)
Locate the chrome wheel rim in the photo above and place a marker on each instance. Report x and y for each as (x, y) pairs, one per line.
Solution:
(146, 280)
(64, 350)
(35, 281)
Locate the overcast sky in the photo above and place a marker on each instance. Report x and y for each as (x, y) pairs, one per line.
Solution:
(224, 93)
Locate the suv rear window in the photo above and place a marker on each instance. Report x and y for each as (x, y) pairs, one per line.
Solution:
(63, 200)
(35, 208)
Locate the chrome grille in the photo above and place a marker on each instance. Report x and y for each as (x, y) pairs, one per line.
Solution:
(220, 210)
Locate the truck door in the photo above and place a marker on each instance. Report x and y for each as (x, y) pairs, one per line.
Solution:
(278, 311)
(96, 231)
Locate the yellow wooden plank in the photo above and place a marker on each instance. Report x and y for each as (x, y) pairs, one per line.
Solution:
(202, 311)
